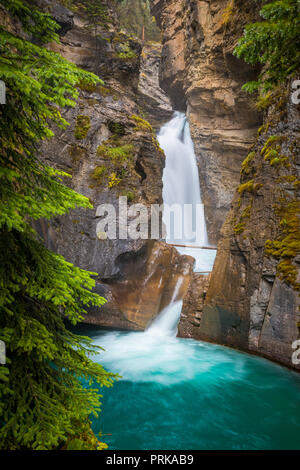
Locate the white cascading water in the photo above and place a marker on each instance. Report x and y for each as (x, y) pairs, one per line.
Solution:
(156, 354)
(181, 186)
(181, 182)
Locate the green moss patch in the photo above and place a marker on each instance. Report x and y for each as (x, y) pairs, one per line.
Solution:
(246, 169)
(141, 124)
(82, 127)
(287, 247)
(239, 228)
(117, 128)
(99, 174)
(116, 154)
(249, 186)
(125, 52)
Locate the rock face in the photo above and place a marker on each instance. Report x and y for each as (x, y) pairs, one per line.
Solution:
(110, 151)
(201, 75)
(153, 100)
(253, 299)
(192, 308)
(144, 286)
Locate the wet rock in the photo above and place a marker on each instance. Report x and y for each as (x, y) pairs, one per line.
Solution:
(145, 285)
(153, 99)
(192, 308)
(253, 300)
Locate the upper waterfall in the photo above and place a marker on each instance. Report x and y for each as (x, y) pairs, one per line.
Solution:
(181, 183)
(181, 187)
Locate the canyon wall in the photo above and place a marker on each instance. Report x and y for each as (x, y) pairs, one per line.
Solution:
(252, 302)
(251, 299)
(201, 75)
(110, 150)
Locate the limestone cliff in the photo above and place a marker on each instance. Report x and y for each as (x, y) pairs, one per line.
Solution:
(253, 298)
(200, 73)
(111, 151)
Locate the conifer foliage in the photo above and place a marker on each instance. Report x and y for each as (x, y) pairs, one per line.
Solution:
(43, 404)
(273, 42)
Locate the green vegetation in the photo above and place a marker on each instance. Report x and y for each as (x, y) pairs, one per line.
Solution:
(94, 11)
(274, 42)
(117, 128)
(99, 173)
(135, 17)
(228, 12)
(43, 404)
(239, 228)
(119, 155)
(246, 169)
(141, 124)
(116, 154)
(247, 212)
(126, 53)
(249, 187)
(82, 127)
(131, 195)
(113, 180)
(92, 88)
(287, 247)
(271, 152)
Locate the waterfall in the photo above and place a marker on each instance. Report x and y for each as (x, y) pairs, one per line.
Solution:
(165, 324)
(167, 321)
(181, 187)
(181, 183)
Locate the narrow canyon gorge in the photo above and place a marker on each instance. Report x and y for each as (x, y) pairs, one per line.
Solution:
(244, 303)
(149, 225)
(247, 302)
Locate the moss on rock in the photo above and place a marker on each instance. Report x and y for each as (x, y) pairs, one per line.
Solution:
(82, 127)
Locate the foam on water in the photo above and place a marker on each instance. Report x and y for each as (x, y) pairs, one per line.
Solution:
(184, 394)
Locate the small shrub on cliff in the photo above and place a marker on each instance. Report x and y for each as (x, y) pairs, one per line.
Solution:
(274, 42)
(126, 53)
(113, 180)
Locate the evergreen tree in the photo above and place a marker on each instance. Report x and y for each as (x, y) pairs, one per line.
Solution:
(135, 17)
(43, 403)
(274, 43)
